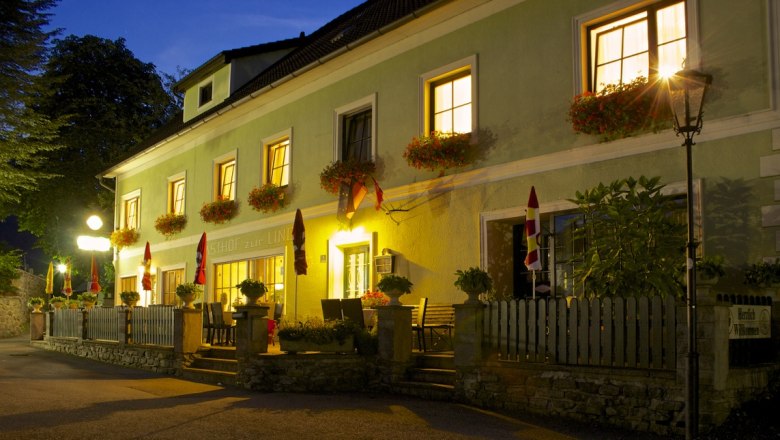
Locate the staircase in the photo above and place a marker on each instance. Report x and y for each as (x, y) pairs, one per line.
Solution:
(213, 365)
(431, 377)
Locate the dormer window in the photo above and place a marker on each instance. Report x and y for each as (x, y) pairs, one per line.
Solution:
(205, 94)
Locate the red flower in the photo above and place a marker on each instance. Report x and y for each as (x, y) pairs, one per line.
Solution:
(220, 211)
(345, 172)
(440, 151)
(268, 198)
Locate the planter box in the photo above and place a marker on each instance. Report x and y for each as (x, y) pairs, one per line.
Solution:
(296, 346)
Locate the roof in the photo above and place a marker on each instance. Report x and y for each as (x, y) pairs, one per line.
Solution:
(360, 24)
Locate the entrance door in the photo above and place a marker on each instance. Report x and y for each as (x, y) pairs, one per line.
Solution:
(356, 266)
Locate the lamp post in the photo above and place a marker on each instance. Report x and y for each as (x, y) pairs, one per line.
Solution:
(686, 98)
(92, 244)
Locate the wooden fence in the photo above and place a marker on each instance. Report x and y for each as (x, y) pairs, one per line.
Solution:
(610, 332)
(152, 325)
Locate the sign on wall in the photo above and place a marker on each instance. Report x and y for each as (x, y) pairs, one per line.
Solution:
(749, 322)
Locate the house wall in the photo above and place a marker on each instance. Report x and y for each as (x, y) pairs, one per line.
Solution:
(524, 52)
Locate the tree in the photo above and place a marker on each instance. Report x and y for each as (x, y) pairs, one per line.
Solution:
(26, 136)
(635, 241)
(10, 262)
(112, 103)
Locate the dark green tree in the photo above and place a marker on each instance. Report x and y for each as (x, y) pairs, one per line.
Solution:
(635, 239)
(26, 136)
(112, 102)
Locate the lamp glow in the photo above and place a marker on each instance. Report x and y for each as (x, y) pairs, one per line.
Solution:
(94, 222)
(62, 268)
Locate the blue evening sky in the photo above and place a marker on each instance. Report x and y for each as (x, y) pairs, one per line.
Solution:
(187, 33)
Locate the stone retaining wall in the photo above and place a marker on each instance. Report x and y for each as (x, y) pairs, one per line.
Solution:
(151, 358)
(315, 372)
(649, 401)
(14, 313)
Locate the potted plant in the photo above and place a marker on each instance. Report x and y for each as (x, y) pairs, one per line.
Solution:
(345, 172)
(252, 289)
(371, 300)
(618, 111)
(394, 286)
(58, 302)
(188, 292)
(474, 281)
(220, 211)
(440, 151)
(170, 224)
(317, 335)
(73, 304)
(130, 298)
(36, 303)
(709, 270)
(763, 274)
(123, 237)
(88, 299)
(267, 198)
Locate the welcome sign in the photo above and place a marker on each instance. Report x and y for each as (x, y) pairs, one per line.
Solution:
(749, 322)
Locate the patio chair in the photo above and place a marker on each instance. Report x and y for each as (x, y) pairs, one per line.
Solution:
(352, 309)
(278, 308)
(419, 325)
(331, 309)
(222, 329)
(208, 322)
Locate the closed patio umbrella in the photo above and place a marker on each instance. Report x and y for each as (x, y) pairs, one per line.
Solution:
(200, 261)
(67, 289)
(94, 285)
(146, 281)
(50, 279)
(533, 233)
(299, 241)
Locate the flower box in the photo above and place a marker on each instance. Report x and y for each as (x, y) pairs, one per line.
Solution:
(346, 172)
(440, 151)
(619, 111)
(170, 224)
(267, 198)
(220, 211)
(123, 237)
(292, 346)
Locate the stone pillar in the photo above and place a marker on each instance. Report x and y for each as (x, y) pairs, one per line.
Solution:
(469, 322)
(37, 326)
(395, 340)
(251, 330)
(123, 318)
(713, 348)
(187, 330)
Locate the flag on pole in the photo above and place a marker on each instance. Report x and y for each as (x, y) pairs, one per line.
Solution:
(200, 262)
(94, 284)
(50, 279)
(146, 281)
(380, 195)
(67, 289)
(533, 232)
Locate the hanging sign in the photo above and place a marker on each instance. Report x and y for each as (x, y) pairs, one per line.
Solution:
(749, 322)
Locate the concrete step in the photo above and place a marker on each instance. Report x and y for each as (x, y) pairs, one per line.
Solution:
(432, 375)
(212, 363)
(424, 390)
(218, 352)
(442, 361)
(204, 375)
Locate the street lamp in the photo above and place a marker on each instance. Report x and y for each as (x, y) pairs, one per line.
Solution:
(686, 98)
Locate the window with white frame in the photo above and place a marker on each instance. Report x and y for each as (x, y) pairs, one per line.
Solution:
(176, 191)
(637, 42)
(131, 206)
(350, 259)
(225, 177)
(355, 128)
(278, 162)
(449, 98)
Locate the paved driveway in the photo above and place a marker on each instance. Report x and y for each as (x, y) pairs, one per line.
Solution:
(49, 395)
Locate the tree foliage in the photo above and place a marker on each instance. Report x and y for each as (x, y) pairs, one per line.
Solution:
(635, 241)
(26, 136)
(10, 262)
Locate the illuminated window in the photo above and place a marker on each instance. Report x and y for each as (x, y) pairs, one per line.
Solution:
(643, 42)
(205, 94)
(131, 212)
(171, 279)
(176, 196)
(451, 104)
(269, 270)
(128, 284)
(226, 178)
(278, 162)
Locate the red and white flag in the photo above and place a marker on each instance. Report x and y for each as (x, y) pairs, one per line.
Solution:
(146, 281)
(200, 261)
(533, 232)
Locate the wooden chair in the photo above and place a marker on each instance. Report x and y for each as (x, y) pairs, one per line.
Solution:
(419, 325)
(208, 322)
(352, 309)
(331, 309)
(222, 329)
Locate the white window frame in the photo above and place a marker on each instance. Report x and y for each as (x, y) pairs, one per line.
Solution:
(269, 141)
(580, 24)
(336, 246)
(216, 183)
(171, 199)
(468, 63)
(125, 198)
(340, 113)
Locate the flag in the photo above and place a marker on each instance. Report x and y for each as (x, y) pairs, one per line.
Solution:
(533, 232)
(380, 195)
(200, 262)
(94, 285)
(299, 241)
(50, 279)
(350, 197)
(146, 281)
(66, 286)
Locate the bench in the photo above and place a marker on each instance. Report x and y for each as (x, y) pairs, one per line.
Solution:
(439, 321)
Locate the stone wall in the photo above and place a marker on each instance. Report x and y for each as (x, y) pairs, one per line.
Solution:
(650, 401)
(314, 372)
(14, 313)
(151, 358)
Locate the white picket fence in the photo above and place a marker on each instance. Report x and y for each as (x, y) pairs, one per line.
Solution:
(103, 323)
(67, 323)
(152, 325)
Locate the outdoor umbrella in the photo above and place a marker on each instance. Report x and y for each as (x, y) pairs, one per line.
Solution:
(146, 281)
(66, 287)
(200, 262)
(299, 241)
(94, 285)
(533, 233)
(50, 279)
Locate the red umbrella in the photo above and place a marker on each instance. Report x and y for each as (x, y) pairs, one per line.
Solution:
(299, 239)
(146, 281)
(200, 262)
(67, 289)
(533, 231)
(94, 285)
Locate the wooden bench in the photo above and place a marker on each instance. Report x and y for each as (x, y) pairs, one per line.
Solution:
(439, 321)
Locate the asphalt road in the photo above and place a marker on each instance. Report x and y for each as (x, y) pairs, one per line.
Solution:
(46, 395)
